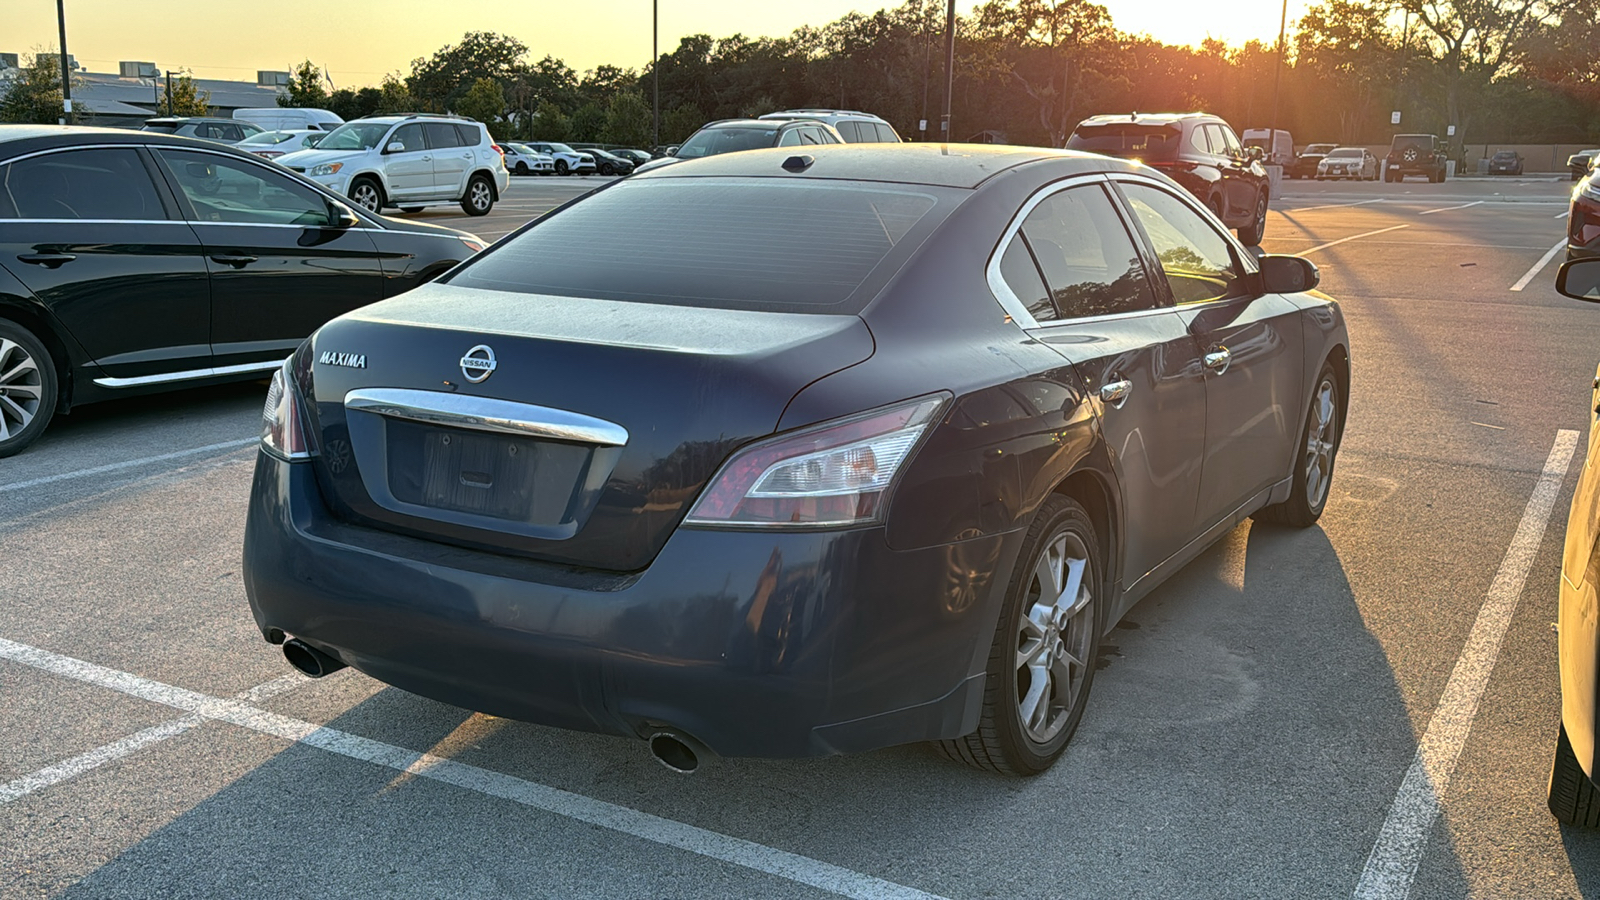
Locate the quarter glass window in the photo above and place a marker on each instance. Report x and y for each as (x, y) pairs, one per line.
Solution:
(1021, 274)
(1197, 261)
(226, 190)
(1089, 262)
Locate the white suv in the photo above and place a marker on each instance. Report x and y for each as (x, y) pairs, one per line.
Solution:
(408, 161)
(855, 127)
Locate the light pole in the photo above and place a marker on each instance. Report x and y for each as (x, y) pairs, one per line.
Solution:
(949, 69)
(1277, 82)
(655, 74)
(66, 71)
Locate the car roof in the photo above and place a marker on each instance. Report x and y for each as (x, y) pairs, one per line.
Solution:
(48, 136)
(1139, 118)
(946, 165)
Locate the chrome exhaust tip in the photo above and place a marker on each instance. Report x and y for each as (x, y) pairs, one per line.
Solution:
(676, 751)
(310, 660)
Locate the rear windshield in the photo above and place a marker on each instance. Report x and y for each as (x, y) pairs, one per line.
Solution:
(1148, 142)
(782, 246)
(712, 141)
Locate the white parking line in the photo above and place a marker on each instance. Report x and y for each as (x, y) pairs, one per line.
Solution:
(1563, 214)
(667, 832)
(1543, 261)
(1392, 865)
(1429, 212)
(1336, 205)
(127, 464)
(155, 734)
(1352, 238)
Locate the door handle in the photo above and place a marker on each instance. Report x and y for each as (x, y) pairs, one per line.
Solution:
(48, 260)
(238, 261)
(1218, 359)
(1115, 393)
(428, 158)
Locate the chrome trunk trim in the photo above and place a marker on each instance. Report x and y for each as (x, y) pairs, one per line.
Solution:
(486, 414)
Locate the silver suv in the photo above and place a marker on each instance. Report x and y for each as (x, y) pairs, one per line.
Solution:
(855, 127)
(408, 161)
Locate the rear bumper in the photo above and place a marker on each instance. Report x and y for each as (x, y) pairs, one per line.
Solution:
(756, 644)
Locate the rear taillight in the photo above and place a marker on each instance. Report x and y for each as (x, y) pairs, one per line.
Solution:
(496, 148)
(283, 432)
(1583, 225)
(835, 474)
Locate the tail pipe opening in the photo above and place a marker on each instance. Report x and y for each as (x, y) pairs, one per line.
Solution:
(309, 659)
(677, 751)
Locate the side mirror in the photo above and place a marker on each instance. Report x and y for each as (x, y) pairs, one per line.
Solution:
(1580, 279)
(395, 147)
(340, 216)
(1288, 274)
(1255, 154)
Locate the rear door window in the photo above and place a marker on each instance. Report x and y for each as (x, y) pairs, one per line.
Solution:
(441, 135)
(1199, 141)
(799, 246)
(108, 184)
(1090, 262)
(1197, 261)
(851, 133)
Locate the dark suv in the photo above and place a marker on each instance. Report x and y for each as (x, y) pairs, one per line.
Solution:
(1197, 150)
(1414, 154)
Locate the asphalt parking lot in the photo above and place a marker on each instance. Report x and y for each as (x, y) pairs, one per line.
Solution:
(1362, 709)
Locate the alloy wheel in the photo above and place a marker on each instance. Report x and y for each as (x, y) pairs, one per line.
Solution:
(1320, 444)
(1054, 637)
(365, 196)
(21, 389)
(481, 198)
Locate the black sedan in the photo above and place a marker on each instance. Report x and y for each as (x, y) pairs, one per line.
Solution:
(1505, 162)
(608, 163)
(133, 262)
(862, 445)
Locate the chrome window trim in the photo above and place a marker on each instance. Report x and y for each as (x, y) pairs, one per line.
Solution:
(4, 221)
(486, 414)
(190, 374)
(228, 224)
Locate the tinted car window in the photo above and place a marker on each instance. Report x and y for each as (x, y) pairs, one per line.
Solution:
(851, 133)
(732, 244)
(80, 184)
(1021, 274)
(441, 135)
(468, 134)
(1199, 141)
(885, 133)
(1090, 263)
(1197, 261)
(790, 138)
(408, 135)
(1152, 142)
(222, 189)
(1230, 141)
(230, 132)
(712, 141)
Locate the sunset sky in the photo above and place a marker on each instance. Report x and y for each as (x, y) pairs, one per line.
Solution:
(359, 40)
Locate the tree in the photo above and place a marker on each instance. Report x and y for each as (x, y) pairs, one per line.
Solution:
(550, 123)
(627, 120)
(186, 100)
(679, 122)
(35, 94)
(1355, 54)
(1049, 48)
(305, 88)
(394, 96)
(588, 122)
(486, 102)
(442, 79)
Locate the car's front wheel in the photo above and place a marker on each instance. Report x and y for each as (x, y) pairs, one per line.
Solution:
(1042, 661)
(562, 168)
(27, 388)
(479, 198)
(522, 168)
(607, 170)
(1313, 470)
(367, 194)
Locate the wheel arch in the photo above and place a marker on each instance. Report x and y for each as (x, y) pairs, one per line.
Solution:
(1339, 358)
(373, 176)
(488, 176)
(40, 326)
(1094, 493)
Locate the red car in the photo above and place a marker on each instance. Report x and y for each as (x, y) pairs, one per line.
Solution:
(1198, 151)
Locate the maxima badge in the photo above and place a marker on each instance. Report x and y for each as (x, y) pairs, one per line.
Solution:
(478, 364)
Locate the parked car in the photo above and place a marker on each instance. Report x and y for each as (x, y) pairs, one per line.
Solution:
(1573, 796)
(281, 118)
(1349, 162)
(1277, 150)
(1581, 162)
(138, 262)
(1305, 165)
(718, 476)
(222, 131)
(1415, 154)
(1199, 151)
(734, 135)
(408, 161)
(608, 163)
(524, 160)
(273, 144)
(1505, 162)
(567, 160)
(854, 127)
(1583, 219)
(637, 157)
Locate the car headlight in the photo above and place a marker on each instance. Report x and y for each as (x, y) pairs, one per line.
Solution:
(325, 169)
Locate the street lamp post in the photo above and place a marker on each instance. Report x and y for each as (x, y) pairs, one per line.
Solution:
(949, 69)
(66, 71)
(1277, 83)
(655, 74)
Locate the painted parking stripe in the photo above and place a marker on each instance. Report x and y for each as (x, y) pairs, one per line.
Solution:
(1353, 237)
(67, 769)
(1336, 205)
(667, 832)
(1543, 261)
(1429, 212)
(1392, 865)
(128, 464)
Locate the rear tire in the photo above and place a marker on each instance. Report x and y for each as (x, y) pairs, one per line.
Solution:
(1042, 661)
(1313, 467)
(1572, 796)
(479, 198)
(27, 388)
(1251, 234)
(522, 168)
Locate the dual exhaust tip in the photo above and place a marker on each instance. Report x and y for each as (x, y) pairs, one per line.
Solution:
(677, 751)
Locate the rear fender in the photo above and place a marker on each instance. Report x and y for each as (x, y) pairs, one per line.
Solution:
(19, 305)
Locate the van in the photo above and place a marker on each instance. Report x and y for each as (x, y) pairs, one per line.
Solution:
(278, 118)
(1280, 153)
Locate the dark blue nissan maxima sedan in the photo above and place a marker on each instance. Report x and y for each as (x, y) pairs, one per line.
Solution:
(852, 446)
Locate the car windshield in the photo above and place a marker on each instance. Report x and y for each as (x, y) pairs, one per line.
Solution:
(1319, 148)
(1346, 151)
(354, 136)
(760, 244)
(562, 148)
(268, 137)
(1149, 142)
(712, 141)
